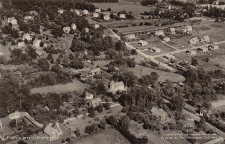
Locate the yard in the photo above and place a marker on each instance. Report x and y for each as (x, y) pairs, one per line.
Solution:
(76, 85)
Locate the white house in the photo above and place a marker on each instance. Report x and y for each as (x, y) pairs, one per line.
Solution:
(116, 86)
(122, 16)
(88, 95)
(37, 43)
(206, 38)
(166, 39)
(94, 102)
(73, 26)
(159, 33)
(66, 30)
(27, 18)
(95, 15)
(194, 52)
(21, 44)
(39, 53)
(76, 11)
(203, 49)
(172, 31)
(189, 28)
(106, 17)
(96, 25)
(130, 36)
(12, 20)
(194, 40)
(98, 10)
(15, 115)
(142, 43)
(27, 37)
(85, 12)
(53, 133)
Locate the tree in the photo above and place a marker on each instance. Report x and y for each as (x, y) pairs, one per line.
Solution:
(106, 106)
(99, 108)
(124, 122)
(77, 64)
(112, 121)
(91, 129)
(149, 79)
(91, 111)
(102, 124)
(128, 78)
(133, 52)
(78, 45)
(43, 64)
(120, 46)
(77, 132)
(194, 62)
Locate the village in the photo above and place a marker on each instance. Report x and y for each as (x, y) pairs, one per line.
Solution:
(122, 71)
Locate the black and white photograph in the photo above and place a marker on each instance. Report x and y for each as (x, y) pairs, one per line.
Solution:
(112, 71)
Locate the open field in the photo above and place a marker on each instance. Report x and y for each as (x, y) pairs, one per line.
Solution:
(76, 85)
(162, 74)
(108, 136)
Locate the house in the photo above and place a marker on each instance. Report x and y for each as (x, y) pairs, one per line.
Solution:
(155, 49)
(95, 15)
(27, 37)
(116, 86)
(37, 43)
(130, 36)
(184, 30)
(76, 11)
(27, 18)
(166, 39)
(172, 31)
(61, 11)
(169, 57)
(66, 30)
(85, 12)
(160, 113)
(194, 40)
(15, 115)
(189, 28)
(53, 133)
(159, 33)
(106, 17)
(204, 112)
(73, 26)
(12, 20)
(98, 10)
(96, 25)
(94, 102)
(122, 16)
(142, 43)
(88, 95)
(95, 71)
(21, 44)
(39, 53)
(215, 47)
(206, 39)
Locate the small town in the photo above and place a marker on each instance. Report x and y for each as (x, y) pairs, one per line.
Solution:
(112, 72)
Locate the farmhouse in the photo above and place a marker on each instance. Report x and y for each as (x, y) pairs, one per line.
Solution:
(66, 30)
(73, 26)
(122, 16)
(53, 133)
(130, 36)
(94, 102)
(95, 15)
(172, 31)
(189, 28)
(155, 49)
(88, 95)
(106, 17)
(206, 39)
(85, 12)
(166, 39)
(116, 86)
(37, 43)
(159, 33)
(160, 113)
(142, 43)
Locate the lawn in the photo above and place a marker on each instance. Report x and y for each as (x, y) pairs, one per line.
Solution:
(108, 136)
(162, 74)
(76, 85)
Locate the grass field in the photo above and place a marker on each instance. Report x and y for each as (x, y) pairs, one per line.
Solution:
(162, 74)
(108, 136)
(60, 88)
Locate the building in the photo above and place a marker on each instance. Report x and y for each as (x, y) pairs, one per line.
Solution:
(94, 102)
(95, 71)
(189, 28)
(37, 43)
(66, 30)
(39, 53)
(15, 115)
(88, 95)
(98, 10)
(166, 39)
(73, 26)
(172, 31)
(85, 12)
(159, 33)
(95, 15)
(27, 18)
(194, 40)
(122, 16)
(169, 57)
(160, 113)
(142, 43)
(53, 133)
(61, 11)
(21, 44)
(204, 49)
(130, 36)
(27, 37)
(194, 52)
(96, 25)
(206, 39)
(204, 112)
(106, 17)
(155, 49)
(116, 86)
(12, 20)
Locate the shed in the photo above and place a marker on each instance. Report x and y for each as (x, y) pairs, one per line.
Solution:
(142, 42)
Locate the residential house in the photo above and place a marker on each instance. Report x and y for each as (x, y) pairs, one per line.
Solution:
(76, 11)
(155, 49)
(172, 31)
(95, 71)
(53, 133)
(215, 47)
(166, 39)
(73, 26)
(27, 18)
(169, 57)
(98, 10)
(194, 40)
(61, 11)
(66, 30)
(85, 12)
(21, 44)
(206, 39)
(96, 25)
(204, 112)
(94, 102)
(106, 17)
(12, 20)
(88, 95)
(116, 86)
(95, 15)
(37, 43)
(189, 28)
(160, 113)
(142, 43)
(39, 53)
(130, 36)
(122, 16)
(27, 37)
(159, 33)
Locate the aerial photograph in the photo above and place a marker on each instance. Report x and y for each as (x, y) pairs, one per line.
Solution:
(112, 71)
